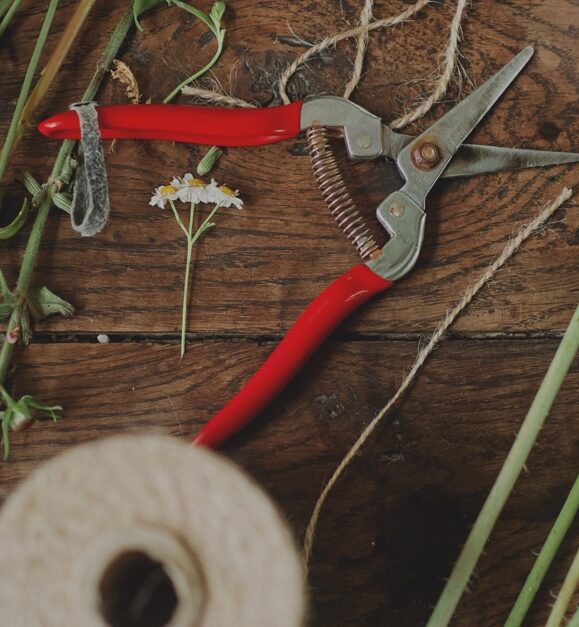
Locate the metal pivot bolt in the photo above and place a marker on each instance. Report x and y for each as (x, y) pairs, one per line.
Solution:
(425, 155)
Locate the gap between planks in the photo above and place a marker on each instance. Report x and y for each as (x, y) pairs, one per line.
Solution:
(167, 338)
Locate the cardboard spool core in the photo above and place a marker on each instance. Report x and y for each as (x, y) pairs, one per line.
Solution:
(135, 591)
(146, 578)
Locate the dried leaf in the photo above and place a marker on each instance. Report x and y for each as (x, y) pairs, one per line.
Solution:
(125, 76)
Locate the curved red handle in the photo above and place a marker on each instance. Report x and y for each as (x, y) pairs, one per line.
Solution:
(321, 317)
(197, 125)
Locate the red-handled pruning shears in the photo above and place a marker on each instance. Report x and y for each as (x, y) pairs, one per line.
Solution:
(438, 152)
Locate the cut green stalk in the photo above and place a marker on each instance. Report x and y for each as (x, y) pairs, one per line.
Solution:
(557, 615)
(574, 622)
(212, 21)
(10, 12)
(507, 477)
(53, 66)
(5, 5)
(26, 84)
(545, 557)
(32, 246)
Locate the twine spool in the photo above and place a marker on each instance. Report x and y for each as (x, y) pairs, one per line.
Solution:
(145, 531)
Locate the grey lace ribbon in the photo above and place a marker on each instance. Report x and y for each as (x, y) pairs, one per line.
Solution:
(90, 200)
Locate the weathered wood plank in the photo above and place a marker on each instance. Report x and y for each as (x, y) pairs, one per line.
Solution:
(396, 520)
(261, 266)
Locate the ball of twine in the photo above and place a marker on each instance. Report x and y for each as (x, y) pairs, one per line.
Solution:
(146, 531)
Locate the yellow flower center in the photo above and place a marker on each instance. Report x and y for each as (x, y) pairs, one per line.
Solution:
(196, 183)
(166, 190)
(227, 190)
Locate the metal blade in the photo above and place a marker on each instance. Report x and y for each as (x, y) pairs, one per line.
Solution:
(473, 159)
(470, 160)
(450, 131)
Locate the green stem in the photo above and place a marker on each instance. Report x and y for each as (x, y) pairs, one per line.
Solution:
(52, 67)
(205, 225)
(574, 622)
(569, 586)
(220, 36)
(191, 241)
(5, 5)
(26, 84)
(190, 244)
(9, 15)
(507, 477)
(545, 557)
(178, 219)
(33, 244)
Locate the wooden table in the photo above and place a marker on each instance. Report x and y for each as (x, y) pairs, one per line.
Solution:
(397, 519)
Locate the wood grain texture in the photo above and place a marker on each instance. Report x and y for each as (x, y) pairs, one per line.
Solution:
(396, 521)
(256, 272)
(394, 525)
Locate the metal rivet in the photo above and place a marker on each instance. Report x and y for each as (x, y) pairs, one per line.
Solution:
(426, 155)
(397, 209)
(364, 140)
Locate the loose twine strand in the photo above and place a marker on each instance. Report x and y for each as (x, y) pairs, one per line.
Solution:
(361, 32)
(365, 18)
(508, 251)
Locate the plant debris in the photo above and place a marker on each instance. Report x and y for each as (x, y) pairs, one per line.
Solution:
(125, 76)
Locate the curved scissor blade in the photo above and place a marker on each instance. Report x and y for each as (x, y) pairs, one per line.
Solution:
(473, 159)
(450, 131)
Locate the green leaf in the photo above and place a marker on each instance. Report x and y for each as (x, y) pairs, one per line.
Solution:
(43, 303)
(4, 289)
(206, 19)
(62, 201)
(10, 230)
(217, 11)
(44, 411)
(7, 302)
(6, 310)
(140, 6)
(32, 186)
(21, 413)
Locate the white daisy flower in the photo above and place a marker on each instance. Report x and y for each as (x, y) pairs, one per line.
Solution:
(163, 194)
(192, 189)
(224, 196)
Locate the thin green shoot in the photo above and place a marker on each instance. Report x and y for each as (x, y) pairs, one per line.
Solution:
(514, 463)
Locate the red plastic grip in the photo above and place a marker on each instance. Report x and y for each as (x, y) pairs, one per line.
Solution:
(321, 317)
(197, 125)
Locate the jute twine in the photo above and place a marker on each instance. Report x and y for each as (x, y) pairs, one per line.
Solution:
(145, 531)
(361, 33)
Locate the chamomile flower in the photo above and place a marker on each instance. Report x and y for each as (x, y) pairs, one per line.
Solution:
(224, 196)
(163, 194)
(191, 189)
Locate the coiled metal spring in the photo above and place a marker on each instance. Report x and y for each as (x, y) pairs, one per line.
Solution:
(336, 195)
